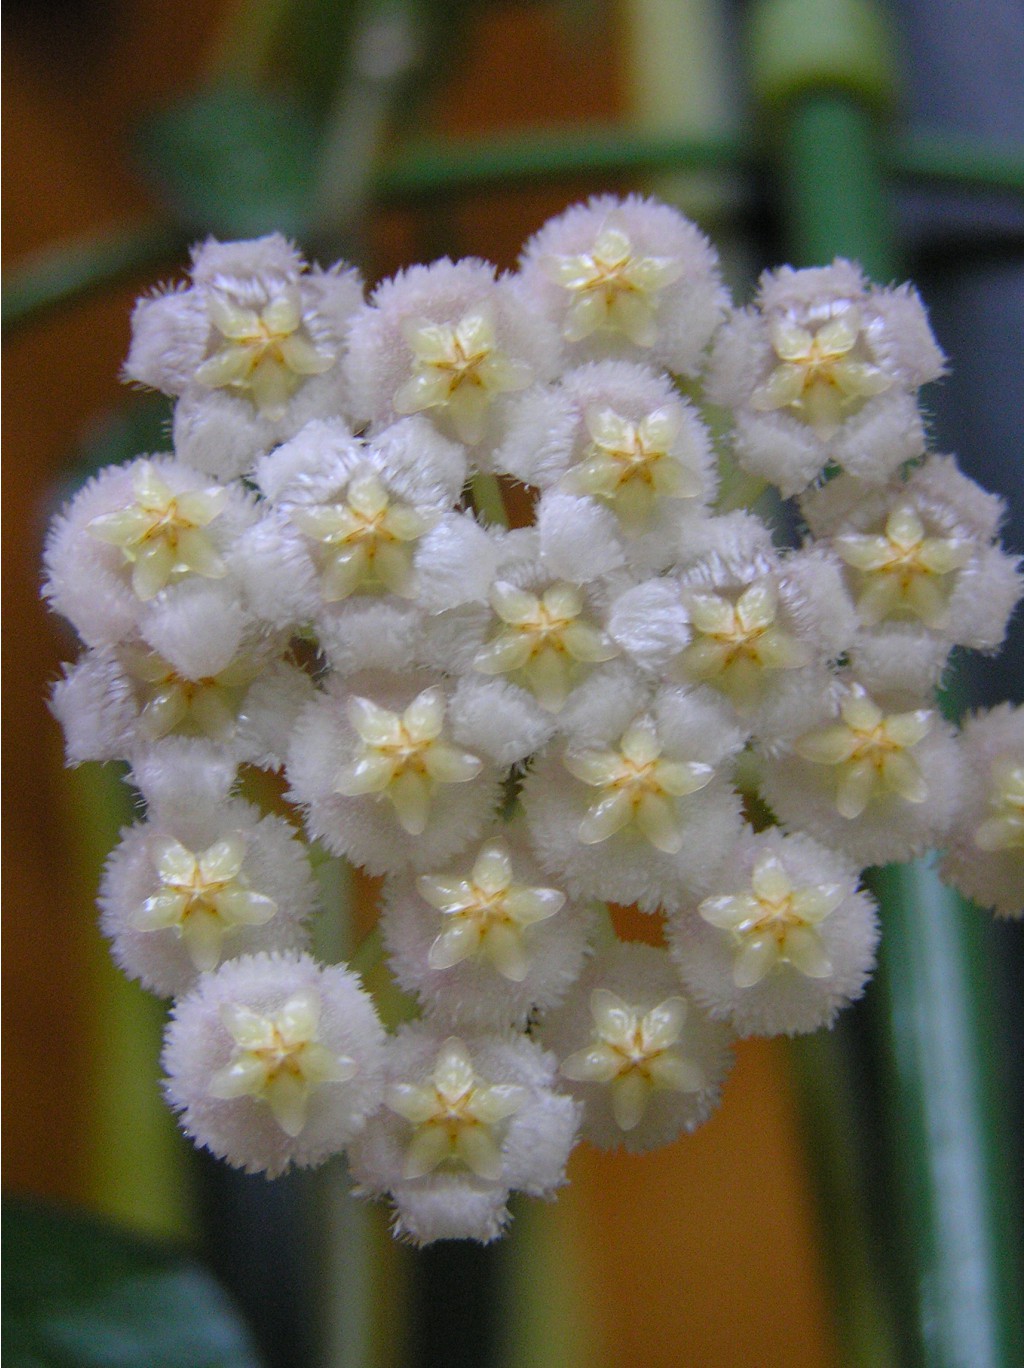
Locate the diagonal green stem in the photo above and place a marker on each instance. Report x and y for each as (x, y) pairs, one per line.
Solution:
(73, 270)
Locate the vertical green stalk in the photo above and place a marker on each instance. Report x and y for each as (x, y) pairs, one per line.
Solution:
(948, 1127)
(821, 67)
(342, 1225)
(136, 1158)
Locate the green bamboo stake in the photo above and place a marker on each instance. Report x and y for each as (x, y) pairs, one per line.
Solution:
(822, 69)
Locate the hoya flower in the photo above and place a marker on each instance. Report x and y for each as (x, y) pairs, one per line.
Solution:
(274, 1060)
(644, 1060)
(487, 941)
(192, 887)
(467, 1119)
(629, 278)
(875, 774)
(985, 859)
(450, 342)
(134, 531)
(251, 349)
(824, 368)
(544, 641)
(920, 554)
(739, 619)
(383, 778)
(640, 811)
(738, 641)
(785, 943)
(349, 520)
(237, 691)
(622, 435)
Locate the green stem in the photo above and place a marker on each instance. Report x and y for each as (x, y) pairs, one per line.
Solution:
(963, 162)
(834, 199)
(865, 1304)
(943, 1125)
(488, 499)
(948, 1130)
(433, 169)
(375, 68)
(430, 168)
(72, 270)
(137, 1160)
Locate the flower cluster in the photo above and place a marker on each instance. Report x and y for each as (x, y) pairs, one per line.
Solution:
(637, 698)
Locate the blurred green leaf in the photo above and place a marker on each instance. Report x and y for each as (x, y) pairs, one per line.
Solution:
(233, 161)
(79, 1293)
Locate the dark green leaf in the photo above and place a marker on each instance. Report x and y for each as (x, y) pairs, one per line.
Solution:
(233, 161)
(79, 1293)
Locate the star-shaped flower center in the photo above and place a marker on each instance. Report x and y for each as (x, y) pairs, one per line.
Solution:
(902, 570)
(775, 923)
(455, 1115)
(458, 367)
(636, 1052)
(629, 465)
(1003, 828)
(824, 375)
(636, 787)
(160, 533)
(171, 702)
(265, 353)
(404, 757)
(612, 287)
(487, 913)
(735, 643)
(869, 752)
(278, 1059)
(544, 637)
(368, 540)
(203, 897)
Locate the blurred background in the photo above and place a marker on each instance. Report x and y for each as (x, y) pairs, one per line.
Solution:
(716, 1251)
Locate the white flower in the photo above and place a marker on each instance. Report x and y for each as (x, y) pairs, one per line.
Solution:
(921, 554)
(274, 1060)
(195, 885)
(737, 640)
(131, 532)
(985, 859)
(627, 277)
(611, 286)
(870, 752)
(252, 349)
(618, 434)
(467, 1120)
(740, 619)
(238, 696)
(646, 1063)
(641, 813)
(543, 640)
(381, 778)
(450, 342)
(459, 368)
(824, 369)
(784, 942)
(866, 773)
(403, 757)
(635, 784)
(486, 943)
